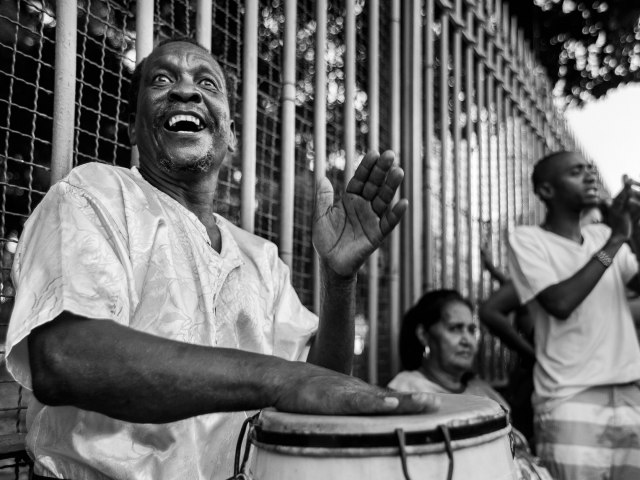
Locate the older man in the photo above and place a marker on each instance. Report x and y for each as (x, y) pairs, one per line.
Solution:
(147, 325)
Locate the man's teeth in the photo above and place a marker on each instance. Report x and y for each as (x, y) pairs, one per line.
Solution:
(184, 118)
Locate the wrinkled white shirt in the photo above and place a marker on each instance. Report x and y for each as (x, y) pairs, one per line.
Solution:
(106, 244)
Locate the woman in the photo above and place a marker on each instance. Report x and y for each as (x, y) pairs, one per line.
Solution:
(438, 345)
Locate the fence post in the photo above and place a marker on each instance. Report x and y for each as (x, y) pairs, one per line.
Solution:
(64, 96)
(249, 114)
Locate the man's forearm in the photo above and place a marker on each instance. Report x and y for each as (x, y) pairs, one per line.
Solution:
(561, 299)
(333, 344)
(500, 326)
(101, 366)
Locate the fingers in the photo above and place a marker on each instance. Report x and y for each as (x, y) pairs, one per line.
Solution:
(372, 174)
(392, 217)
(418, 403)
(395, 403)
(376, 180)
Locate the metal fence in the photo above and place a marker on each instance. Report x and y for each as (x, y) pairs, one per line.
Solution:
(452, 87)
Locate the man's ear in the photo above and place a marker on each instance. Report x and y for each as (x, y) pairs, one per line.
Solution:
(132, 129)
(232, 141)
(546, 191)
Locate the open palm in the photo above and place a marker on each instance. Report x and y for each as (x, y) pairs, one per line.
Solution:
(346, 232)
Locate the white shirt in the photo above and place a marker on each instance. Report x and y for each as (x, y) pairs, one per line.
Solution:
(597, 344)
(415, 381)
(106, 244)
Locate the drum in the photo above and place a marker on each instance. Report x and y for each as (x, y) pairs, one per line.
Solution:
(468, 438)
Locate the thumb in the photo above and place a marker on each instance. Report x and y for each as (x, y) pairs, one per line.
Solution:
(324, 197)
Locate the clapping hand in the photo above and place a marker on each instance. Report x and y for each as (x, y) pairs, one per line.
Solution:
(624, 211)
(346, 232)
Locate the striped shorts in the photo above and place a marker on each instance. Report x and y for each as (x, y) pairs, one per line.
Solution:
(593, 435)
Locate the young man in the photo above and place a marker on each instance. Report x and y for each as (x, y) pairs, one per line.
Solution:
(587, 395)
(147, 325)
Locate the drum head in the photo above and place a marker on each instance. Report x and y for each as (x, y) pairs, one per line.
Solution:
(464, 416)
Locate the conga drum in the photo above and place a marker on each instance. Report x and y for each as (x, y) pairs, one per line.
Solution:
(467, 438)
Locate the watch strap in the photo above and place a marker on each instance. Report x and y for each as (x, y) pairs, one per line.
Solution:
(604, 258)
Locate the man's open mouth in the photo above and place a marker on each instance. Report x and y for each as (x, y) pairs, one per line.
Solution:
(184, 123)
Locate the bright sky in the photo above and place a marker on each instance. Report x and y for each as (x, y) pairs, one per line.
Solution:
(609, 130)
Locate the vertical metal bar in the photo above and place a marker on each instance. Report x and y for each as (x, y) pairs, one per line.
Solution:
(204, 10)
(64, 96)
(499, 133)
(374, 125)
(515, 159)
(394, 243)
(533, 214)
(469, 96)
(416, 157)
(350, 89)
(428, 139)
(288, 133)
(457, 141)
(444, 140)
(490, 133)
(406, 155)
(480, 91)
(320, 122)
(249, 113)
(144, 45)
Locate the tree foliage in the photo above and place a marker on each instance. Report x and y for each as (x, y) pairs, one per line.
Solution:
(588, 46)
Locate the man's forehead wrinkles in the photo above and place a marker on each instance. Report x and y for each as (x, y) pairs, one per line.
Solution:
(188, 61)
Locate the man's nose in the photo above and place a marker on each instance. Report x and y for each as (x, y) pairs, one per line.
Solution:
(185, 90)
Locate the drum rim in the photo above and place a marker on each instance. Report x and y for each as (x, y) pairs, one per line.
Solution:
(457, 431)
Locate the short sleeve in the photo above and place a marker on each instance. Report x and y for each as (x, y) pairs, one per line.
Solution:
(295, 325)
(70, 257)
(526, 255)
(628, 263)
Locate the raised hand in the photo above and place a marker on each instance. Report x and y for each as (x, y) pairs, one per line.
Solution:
(346, 232)
(624, 210)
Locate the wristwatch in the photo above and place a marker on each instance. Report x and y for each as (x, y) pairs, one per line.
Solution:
(604, 258)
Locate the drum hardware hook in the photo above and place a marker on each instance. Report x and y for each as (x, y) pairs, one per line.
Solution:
(403, 452)
(240, 469)
(448, 448)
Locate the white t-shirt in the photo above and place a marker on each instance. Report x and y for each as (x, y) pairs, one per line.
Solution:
(597, 344)
(105, 244)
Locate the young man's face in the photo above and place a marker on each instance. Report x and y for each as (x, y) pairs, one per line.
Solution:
(182, 121)
(573, 182)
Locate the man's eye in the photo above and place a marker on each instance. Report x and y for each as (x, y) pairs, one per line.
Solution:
(161, 78)
(208, 83)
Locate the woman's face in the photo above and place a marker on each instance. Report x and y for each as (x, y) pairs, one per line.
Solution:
(453, 340)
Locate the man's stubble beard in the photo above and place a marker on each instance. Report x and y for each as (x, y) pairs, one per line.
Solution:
(203, 164)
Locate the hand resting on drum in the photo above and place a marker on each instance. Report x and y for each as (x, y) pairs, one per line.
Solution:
(322, 391)
(134, 376)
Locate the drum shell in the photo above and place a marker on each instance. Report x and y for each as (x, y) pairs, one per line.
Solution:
(484, 457)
